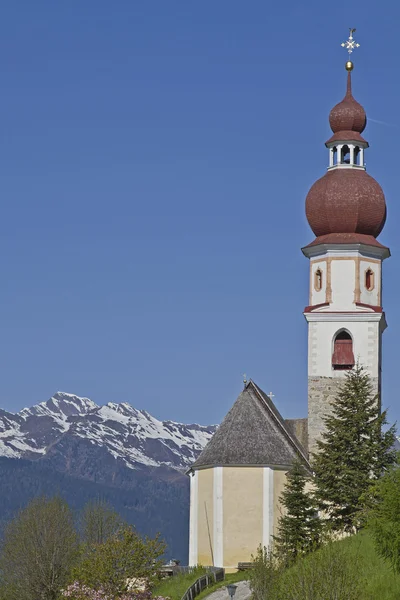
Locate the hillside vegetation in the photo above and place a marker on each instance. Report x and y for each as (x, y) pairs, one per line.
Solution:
(377, 579)
(381, 582)
(174, 587)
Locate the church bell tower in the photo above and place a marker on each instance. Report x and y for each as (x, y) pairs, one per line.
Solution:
(346, 211)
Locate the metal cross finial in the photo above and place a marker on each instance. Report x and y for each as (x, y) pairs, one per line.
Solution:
(271, 395)
(350, 44)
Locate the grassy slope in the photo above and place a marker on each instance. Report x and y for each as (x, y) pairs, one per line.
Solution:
(175, 587)
(381, 582)
(378, 581)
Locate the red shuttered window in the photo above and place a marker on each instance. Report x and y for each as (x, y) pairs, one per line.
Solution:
(343, 357)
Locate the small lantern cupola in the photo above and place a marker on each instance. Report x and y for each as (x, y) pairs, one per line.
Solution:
(347, 120)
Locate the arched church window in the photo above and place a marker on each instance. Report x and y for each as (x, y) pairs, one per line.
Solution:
(343, 357)
(357, 155)
(318, 280)
(369, 279)
(335, 158)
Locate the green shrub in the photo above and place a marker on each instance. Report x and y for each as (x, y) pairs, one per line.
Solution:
(383, 517)
(125, 555)
(264, 576)
(332, 573)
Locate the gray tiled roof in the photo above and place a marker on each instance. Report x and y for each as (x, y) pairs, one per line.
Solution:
(252, 433)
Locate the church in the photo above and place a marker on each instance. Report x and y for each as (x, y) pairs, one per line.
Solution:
(236, 482)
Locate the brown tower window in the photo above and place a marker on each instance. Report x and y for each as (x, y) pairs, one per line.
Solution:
(343, 357)
(318, 280)
(369, 279)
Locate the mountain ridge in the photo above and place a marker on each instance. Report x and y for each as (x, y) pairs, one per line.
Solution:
(127, 433)
(72, 446)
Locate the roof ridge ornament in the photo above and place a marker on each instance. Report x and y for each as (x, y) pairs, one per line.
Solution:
(350, 44)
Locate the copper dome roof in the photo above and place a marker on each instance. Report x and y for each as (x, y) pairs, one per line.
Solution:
(348, 118)
(346, 201)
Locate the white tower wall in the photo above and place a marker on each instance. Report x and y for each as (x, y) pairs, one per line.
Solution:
(340, 301)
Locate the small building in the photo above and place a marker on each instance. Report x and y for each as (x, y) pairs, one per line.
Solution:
(236, 482)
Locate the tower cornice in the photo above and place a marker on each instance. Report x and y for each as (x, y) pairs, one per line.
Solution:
(345, 317)
(314, 249)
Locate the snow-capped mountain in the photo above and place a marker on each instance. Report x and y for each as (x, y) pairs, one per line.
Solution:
(73, 447)
(131, 436)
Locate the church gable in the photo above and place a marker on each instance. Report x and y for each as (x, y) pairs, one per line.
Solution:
(252, 433)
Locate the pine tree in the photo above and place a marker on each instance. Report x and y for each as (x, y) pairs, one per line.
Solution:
(299, 527)
(353, 451)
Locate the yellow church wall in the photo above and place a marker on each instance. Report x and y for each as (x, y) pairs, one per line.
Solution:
(279, 484)
(242, 513)
(205, 517)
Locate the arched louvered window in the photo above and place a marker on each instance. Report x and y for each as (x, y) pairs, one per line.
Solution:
(369, 279)
(318, 280)
(343, 357)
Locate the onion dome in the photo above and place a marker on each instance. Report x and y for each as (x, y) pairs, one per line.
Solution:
(348, 118)
(346, 201)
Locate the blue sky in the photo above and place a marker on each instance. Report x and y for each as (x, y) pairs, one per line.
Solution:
(154, 161)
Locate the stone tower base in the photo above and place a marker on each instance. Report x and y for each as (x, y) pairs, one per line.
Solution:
(322, 392)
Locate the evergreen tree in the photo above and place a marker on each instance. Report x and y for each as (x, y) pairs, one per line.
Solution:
(353, 451)
(299, 527)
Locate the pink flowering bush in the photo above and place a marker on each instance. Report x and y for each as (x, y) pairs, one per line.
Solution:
(80, 591)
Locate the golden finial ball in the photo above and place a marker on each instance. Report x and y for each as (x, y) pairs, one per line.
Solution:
(349, 66)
